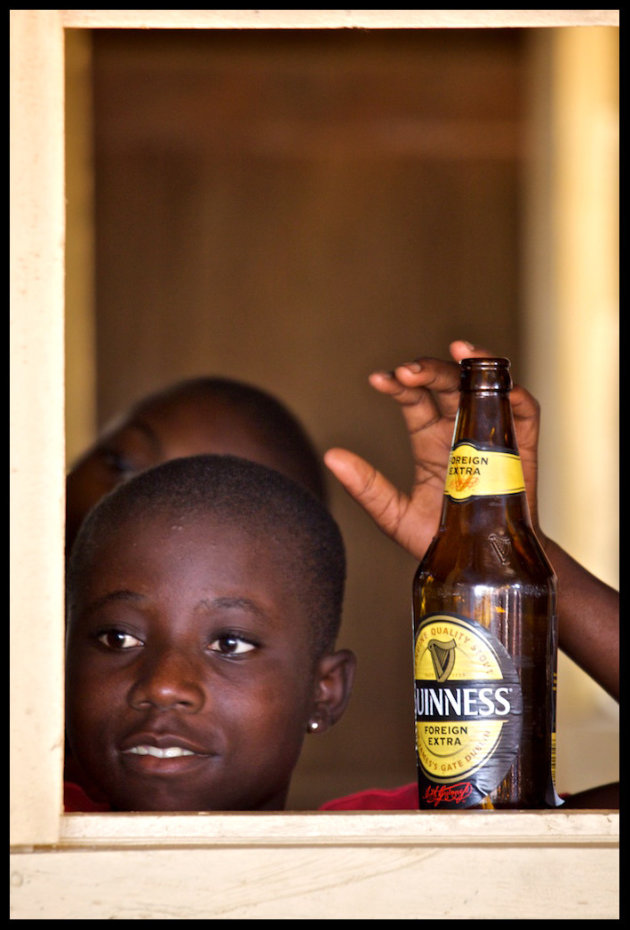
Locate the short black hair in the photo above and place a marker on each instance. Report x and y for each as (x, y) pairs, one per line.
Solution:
(274, 509)
(275, 425)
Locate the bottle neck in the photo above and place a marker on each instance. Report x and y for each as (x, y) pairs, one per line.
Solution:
(485, 419)
(485, 475)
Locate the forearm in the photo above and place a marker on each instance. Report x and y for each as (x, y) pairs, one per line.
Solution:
(588, 619)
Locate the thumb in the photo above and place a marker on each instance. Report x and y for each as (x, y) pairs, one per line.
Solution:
(378, 496)
(461, 349)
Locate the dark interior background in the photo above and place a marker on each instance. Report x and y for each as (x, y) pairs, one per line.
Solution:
(296, 209)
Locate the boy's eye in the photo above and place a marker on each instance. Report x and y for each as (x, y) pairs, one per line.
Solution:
(119, 464)
(230, 645)
(117, 639)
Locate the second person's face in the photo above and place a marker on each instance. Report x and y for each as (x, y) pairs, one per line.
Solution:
(157, 432)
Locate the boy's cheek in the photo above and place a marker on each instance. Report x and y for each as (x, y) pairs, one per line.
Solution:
(89, 695)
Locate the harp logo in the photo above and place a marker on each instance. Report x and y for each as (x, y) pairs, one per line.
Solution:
(468, 708)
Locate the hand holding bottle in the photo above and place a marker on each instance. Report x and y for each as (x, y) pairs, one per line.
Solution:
(427, 390)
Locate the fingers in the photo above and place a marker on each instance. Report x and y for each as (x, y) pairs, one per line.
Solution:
(420, 407)
(460, 349)
(437, 375)
(524, 405)
(378, 497)
(409, 522)
(409, 382)
(433, 374)
(426, 389)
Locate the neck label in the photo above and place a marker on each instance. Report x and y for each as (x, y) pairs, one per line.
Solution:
(477, 472)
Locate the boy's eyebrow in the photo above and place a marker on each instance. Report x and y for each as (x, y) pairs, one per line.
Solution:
(121, 595)
(238, 603)
(229, 602)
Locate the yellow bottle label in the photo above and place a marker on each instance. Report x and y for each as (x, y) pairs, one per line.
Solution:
(468, 711)
(475, 472)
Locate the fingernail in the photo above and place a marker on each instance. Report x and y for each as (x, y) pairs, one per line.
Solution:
(468, 345)
(382, 373)
(412, 366)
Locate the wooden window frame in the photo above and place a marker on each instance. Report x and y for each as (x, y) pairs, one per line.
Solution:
(337, 864)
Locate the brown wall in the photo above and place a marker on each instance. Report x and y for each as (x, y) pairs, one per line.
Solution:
(296, 209)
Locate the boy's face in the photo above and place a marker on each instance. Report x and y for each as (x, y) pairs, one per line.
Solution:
(190, 679)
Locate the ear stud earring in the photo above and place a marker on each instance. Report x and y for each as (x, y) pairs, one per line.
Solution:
(313, 726)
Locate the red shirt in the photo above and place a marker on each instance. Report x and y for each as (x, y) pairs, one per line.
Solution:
(75, 800)
(392, 799)
(377, 799)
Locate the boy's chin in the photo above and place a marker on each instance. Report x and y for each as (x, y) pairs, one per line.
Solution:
(173, 803)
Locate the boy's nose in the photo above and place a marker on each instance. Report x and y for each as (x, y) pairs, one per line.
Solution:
(169, 680)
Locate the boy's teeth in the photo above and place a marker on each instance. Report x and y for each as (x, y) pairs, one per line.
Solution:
(169, 752)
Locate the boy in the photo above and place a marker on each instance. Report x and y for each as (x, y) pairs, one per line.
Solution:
(204, 598)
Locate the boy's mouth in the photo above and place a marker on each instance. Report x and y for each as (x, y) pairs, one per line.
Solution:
(168, 752)
(170, 759)
(162, 753)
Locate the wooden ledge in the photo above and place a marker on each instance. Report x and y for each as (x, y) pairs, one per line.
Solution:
(343, 828)
(477, 865)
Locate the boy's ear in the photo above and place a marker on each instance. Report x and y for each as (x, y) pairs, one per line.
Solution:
(334, 678)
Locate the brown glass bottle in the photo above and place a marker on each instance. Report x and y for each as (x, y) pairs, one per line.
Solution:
(485, 629)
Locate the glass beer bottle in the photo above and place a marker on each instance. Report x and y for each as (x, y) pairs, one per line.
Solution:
(485, 627)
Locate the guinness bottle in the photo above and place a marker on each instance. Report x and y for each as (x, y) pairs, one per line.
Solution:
(485, 629)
